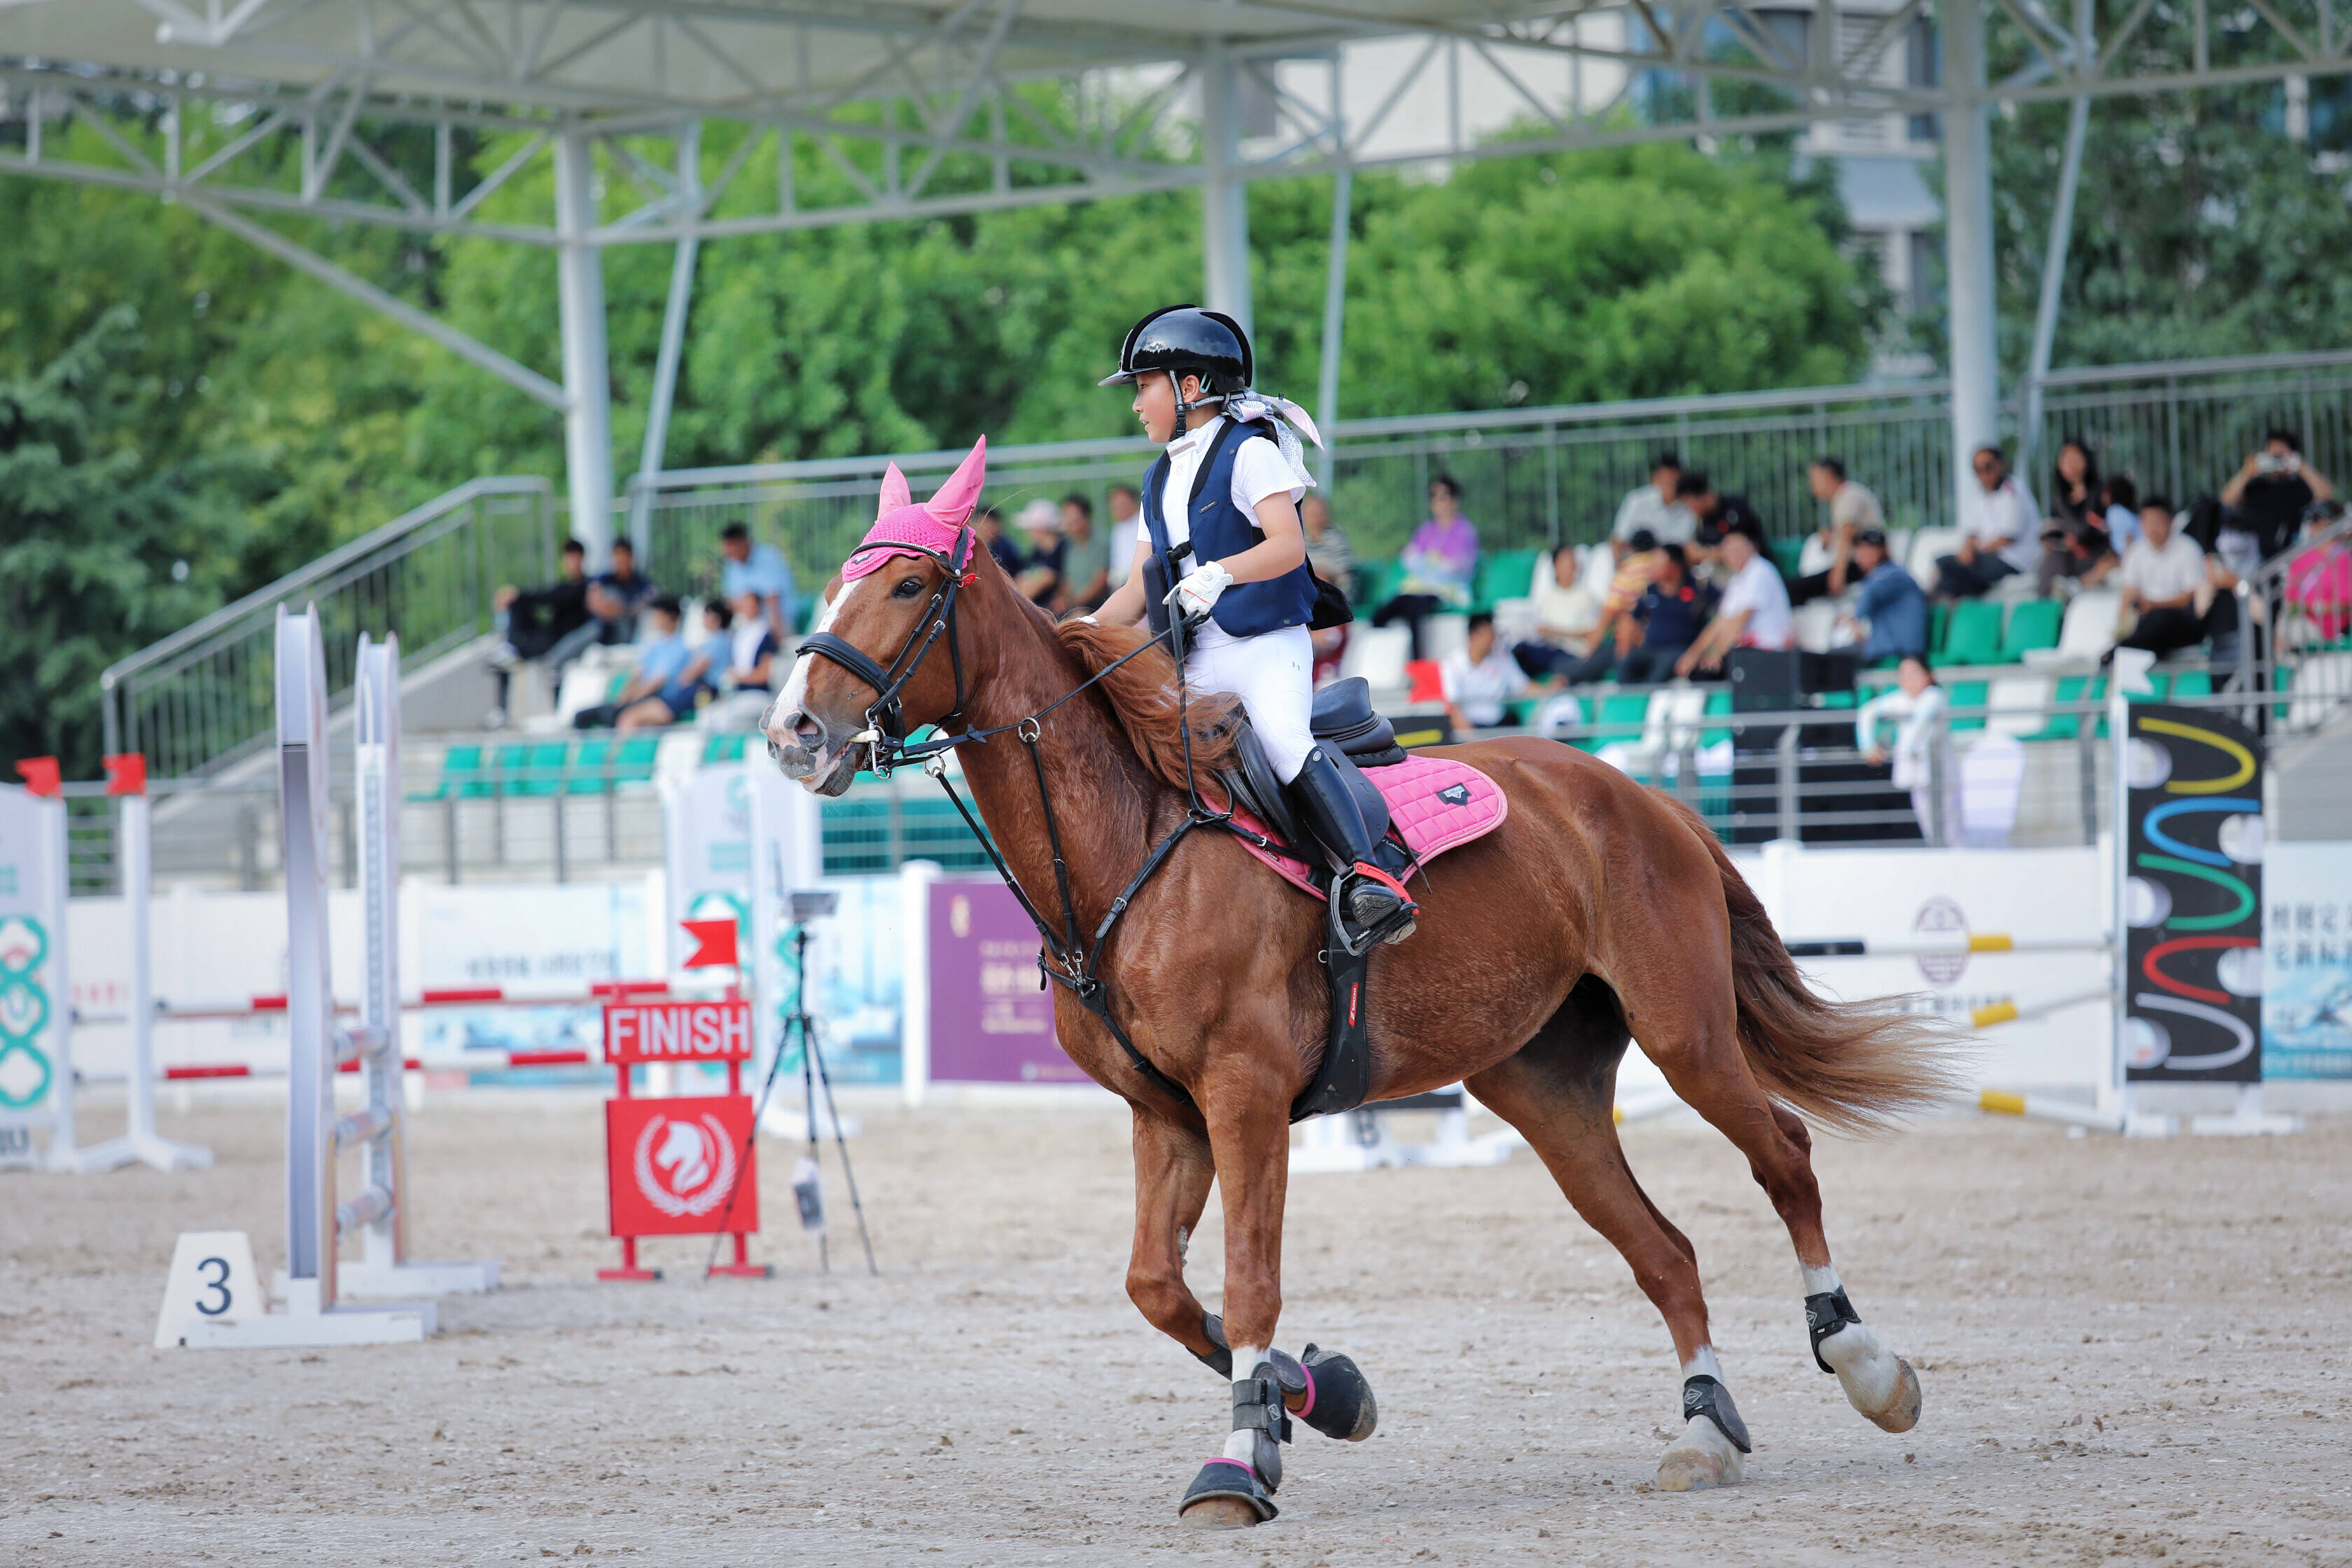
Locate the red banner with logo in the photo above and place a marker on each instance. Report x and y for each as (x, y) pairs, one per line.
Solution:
(671, 1163)
(678, 1031)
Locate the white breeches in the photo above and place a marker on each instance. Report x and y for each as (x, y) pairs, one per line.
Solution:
(1274, 675)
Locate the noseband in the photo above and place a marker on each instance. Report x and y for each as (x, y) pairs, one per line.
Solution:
(885, 718)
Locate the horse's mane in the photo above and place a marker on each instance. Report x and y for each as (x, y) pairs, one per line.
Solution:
(1142, 693)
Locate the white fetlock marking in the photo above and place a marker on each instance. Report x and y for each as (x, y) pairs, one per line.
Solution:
(1243, 1446)
(1867, 1371)
(1701, 1457)
(1822, 1281)
(1702, 1364)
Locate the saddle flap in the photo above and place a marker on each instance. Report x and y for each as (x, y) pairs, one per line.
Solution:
(1259, 791)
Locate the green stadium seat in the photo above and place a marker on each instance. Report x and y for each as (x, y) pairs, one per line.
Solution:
(2062, 726)
(461, 768)
(1718, 706)
(1376, 582)
(1787, 553)
(2161, 679)
(723, 749)
(2032, 624)
(1969, 694)
(509, 765)
(1940, 625)
(586, 774)
(2193, 683)
(1503, 574)
(1620, 717)
(540, 770)
(1974, 634)
(634, 761)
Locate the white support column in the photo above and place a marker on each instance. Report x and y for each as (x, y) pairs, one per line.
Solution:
(1335, 313)
(587, 367)
(1224, 199)
(673, 346)
(1968, 227)
(2054, 255)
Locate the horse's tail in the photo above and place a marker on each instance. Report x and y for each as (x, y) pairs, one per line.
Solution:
(1854, 1066)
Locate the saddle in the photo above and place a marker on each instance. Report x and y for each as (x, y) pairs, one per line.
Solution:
(1416, 807)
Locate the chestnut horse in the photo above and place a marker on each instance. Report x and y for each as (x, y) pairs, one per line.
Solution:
(1600, 912)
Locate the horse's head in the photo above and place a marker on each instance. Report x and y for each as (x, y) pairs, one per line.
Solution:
(893, 591)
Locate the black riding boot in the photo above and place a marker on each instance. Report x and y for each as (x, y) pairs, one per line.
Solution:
(1369, 897)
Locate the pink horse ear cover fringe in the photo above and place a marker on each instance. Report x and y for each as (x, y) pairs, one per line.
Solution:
(932, 525)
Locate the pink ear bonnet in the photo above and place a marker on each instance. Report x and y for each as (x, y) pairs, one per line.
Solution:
(903, 528)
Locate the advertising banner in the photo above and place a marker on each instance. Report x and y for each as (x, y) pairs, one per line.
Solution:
(990, 1022)
(35, 1016)
(670, 1165)
(2307, 962)
(2193, 899)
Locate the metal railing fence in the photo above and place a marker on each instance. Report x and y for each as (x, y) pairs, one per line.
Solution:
(204, 697)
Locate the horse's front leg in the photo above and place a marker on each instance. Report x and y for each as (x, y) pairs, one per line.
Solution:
(1174, 1170)
(1247, 1109)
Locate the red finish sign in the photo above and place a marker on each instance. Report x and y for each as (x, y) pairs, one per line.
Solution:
(678, 1031)
(670, 1165)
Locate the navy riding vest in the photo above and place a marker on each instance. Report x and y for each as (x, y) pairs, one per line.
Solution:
(1220, 530)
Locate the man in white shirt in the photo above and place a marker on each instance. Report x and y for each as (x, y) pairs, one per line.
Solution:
(2000, 530)
(1754, 611)
(2181, 598)
(1853, 508)
(1482, 677)
(1654, 507)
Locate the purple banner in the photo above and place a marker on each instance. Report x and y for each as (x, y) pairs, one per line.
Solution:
(990, 1022)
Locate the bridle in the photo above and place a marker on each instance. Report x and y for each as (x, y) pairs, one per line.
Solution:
(885, 718)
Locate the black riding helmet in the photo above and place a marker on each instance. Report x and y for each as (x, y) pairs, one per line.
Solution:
(1187, 339)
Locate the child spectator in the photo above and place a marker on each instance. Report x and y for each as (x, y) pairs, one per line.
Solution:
(1480, 679)
(670, 676)
(1671, 612)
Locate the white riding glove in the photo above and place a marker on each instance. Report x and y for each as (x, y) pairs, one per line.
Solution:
(1197, 594)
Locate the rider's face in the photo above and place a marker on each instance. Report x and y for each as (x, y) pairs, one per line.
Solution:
(1155, 405)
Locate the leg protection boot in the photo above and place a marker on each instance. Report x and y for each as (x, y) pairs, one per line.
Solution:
(1372, 899)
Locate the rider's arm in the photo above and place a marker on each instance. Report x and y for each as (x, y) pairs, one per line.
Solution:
(1284, 547)
(1125, 606)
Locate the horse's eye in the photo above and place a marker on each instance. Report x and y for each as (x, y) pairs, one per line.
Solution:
(908, 588)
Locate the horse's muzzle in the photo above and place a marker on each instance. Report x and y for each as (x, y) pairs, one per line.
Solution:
(804, 747)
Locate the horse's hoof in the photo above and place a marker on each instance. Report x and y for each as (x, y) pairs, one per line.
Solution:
(1219, 1513)
(1877, 1381)
(1701, 1457)
(1901, 1411)
(1225, 1495)
(1339, 1403)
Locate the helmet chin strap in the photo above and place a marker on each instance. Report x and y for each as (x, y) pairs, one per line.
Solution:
(1184, 409)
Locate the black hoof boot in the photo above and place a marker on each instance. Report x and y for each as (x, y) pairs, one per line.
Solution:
(1339, 1401)
(1226, 1495)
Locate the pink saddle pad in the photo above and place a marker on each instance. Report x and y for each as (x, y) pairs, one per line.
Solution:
(1435, 804)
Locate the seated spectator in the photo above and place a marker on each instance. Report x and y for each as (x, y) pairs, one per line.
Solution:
(751, 642)
(2268, 496)
(1439, 562)
(2119, 506)
(1126, 507)
(1890, 606)
(617, 595)
(1655, 508)
(670, 677)
(1917, 706)
(1754, 611)
(2073, 538)
(1334, 561)
(1670, 612)
(1852, 507)
(1086, 558)
(2318, 589)
(1040, 576)
(1567, 620)
(550, 623)
(1481, 677)
(1619, 633)
(2000, 526)
(2180, 595)
(756, 569)
(988, 526)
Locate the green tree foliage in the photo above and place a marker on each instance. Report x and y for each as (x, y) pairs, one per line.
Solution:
(2200, 229)
(106, 542)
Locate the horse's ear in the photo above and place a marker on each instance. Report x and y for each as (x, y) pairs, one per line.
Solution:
(895, 493)
(954, 500)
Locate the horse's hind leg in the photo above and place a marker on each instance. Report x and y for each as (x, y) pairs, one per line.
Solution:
(1676, 987)
(1560, 1091)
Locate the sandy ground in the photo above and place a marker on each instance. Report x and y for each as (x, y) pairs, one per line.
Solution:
(2129, 1350)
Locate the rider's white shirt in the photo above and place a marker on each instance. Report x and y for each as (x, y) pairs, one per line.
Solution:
(1258, 472)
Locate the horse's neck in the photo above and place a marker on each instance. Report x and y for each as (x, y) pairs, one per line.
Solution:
(1103, 799)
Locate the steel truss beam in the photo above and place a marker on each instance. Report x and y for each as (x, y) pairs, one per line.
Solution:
(945, 119)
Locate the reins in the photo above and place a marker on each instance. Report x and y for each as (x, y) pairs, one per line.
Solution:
(1074, 958)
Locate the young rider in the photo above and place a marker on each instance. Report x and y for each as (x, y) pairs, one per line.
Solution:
(1221, 523)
